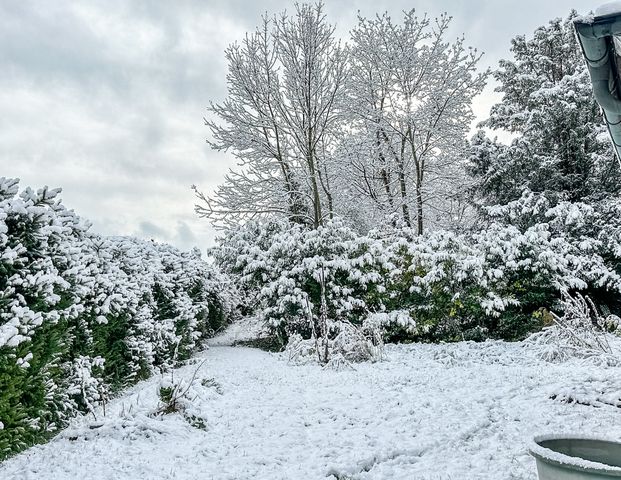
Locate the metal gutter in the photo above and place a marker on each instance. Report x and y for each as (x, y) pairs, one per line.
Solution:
(596, 40)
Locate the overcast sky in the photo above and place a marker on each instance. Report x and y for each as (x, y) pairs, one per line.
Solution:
(106, 99)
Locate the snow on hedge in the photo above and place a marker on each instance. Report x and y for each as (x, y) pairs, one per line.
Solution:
(83, 315)
(440, 285)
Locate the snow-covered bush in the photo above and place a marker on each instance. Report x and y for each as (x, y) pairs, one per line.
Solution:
(581, 332)
(83, 315)
(315, 286)
(241, 253)
(349, 344)
(437, 286)
(289, 266)
(489, 284)
(591, 232)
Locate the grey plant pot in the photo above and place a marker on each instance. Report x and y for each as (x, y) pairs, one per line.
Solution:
(564, 457)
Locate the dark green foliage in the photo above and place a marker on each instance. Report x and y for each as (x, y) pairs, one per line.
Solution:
(83, 316)
(167, 397)
(269, 344)
(561, 149)
(26, 409)
(451, 310)
(14, 415)
(216, 318)
(110, 343)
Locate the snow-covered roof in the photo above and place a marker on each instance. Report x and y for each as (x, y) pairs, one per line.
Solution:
(609, 8)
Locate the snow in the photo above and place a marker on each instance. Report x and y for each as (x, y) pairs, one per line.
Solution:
(609, 8)
(556, 457)
(247, 328)
(428, 412)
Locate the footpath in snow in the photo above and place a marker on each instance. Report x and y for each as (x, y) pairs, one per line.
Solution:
(460, 411)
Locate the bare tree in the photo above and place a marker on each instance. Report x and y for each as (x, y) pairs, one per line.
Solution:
(285, 84)
(367, 131)
(410, 95)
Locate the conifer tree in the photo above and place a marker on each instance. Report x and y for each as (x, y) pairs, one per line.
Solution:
(561, 149)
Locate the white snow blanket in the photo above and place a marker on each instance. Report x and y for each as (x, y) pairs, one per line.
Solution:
(609, 8)
(459, 411)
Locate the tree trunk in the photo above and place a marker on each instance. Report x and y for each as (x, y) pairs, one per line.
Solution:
(420, 170)
(403, 187)
(419, 209)
(317, 216)
(325, 185)
(383, 172)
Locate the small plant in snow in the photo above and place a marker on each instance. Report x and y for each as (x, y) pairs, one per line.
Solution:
(86, 388)
(347, 344)
(211, 383)
(180, 396)
(174, 394)
(358, 344)
(581, 332)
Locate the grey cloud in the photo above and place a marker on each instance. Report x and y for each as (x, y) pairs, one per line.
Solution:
(184, 235)
(148, 229)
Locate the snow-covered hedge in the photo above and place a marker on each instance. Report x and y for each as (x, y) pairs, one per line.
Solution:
(441, 285)
(82, 315)
(282, 267)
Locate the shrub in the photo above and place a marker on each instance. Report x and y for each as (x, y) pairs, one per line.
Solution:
(438, 286)
(288, 266)
(82, 315)
(581, 332)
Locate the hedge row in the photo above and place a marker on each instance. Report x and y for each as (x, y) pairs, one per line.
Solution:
(82, 316)
(441, 286)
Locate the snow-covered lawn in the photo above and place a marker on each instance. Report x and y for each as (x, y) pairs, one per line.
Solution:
(460, 411)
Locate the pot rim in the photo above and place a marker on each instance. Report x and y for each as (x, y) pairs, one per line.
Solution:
(550, 456)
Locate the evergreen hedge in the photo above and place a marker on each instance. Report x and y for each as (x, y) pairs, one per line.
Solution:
(82, 316)
(441, 286)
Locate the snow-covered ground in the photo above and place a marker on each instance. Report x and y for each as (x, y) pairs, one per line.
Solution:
(247, 328)
(459, 411)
